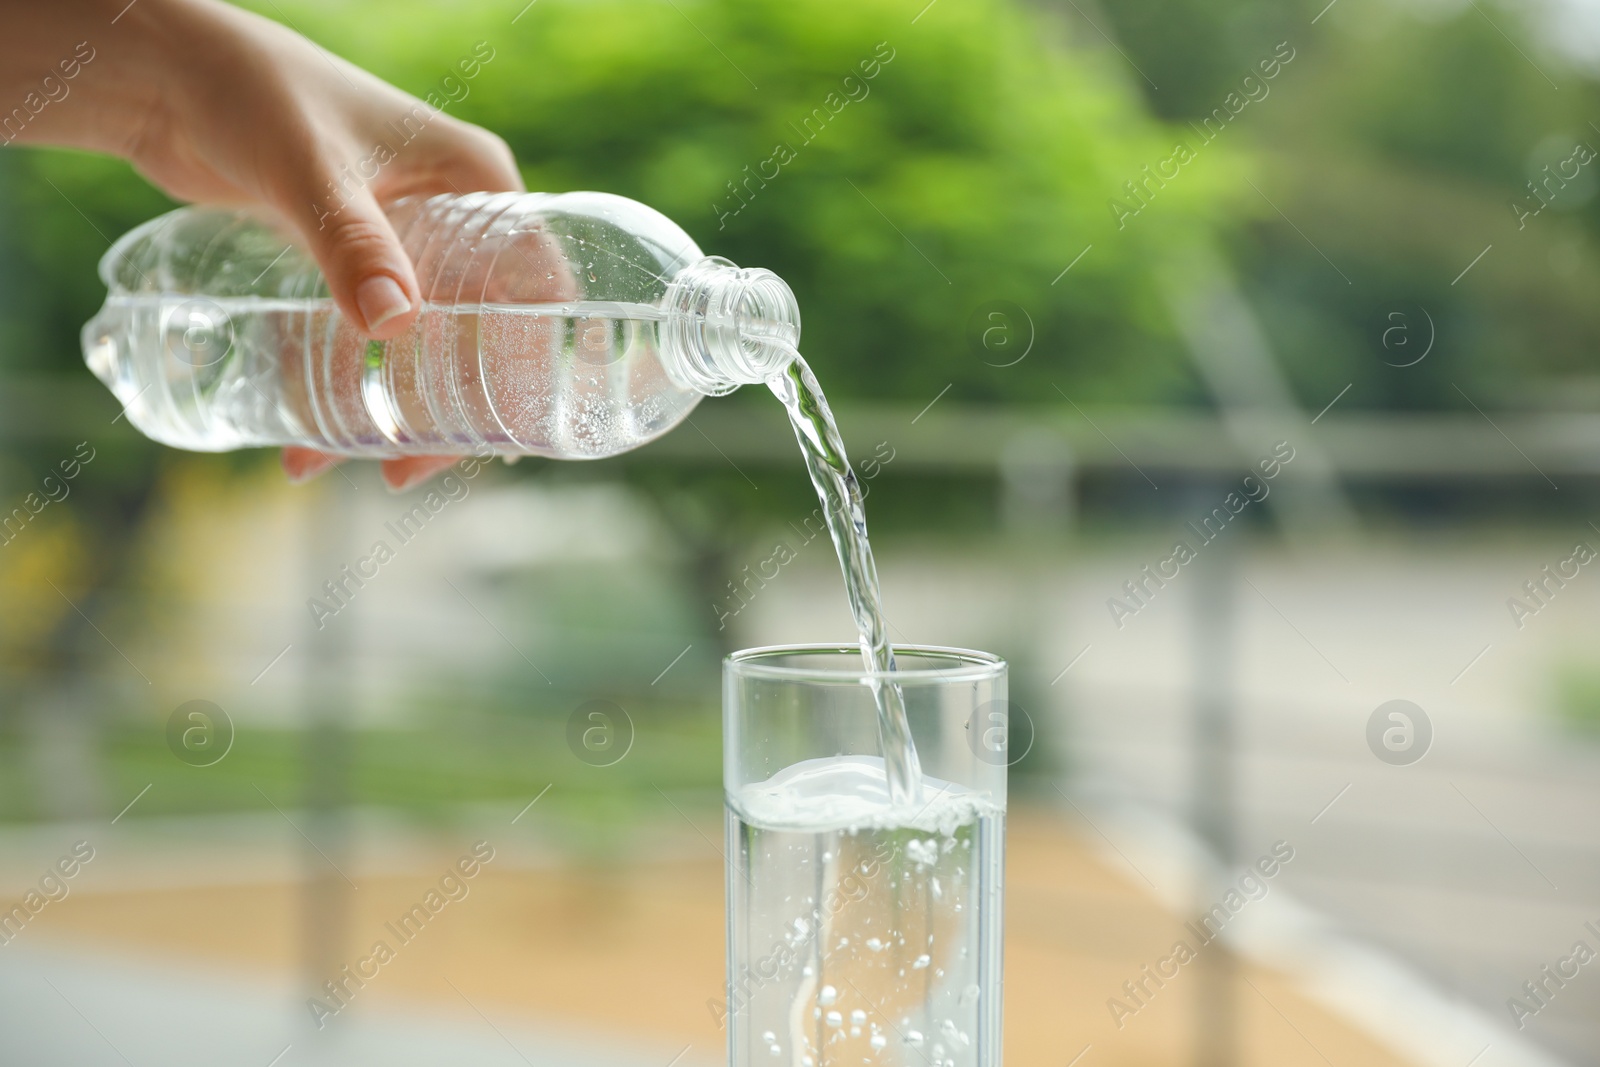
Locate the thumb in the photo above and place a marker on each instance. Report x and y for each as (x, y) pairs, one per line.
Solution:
(369, 274)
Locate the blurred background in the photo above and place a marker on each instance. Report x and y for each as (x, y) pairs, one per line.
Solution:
(1070, 273)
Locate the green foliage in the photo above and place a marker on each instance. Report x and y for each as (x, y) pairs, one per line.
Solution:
(460, 758)
(976, 167)
(1397, 146)
(1577, 704)
(979, 162)
(1192, 53)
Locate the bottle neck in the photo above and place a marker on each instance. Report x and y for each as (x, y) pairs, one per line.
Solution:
(727, 326)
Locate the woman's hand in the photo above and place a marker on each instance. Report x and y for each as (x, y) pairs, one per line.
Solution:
(219, 105)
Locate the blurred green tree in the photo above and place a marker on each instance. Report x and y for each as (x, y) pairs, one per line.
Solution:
(974, 165)
(1398, 145)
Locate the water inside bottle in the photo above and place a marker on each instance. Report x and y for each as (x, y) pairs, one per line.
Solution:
(573, 380)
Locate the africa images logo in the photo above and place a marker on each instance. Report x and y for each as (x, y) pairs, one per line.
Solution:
(1399, 732)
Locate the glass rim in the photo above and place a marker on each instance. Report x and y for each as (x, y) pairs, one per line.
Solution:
(971, 665)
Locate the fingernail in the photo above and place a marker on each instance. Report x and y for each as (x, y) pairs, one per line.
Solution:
(400, 483)
(380, 299)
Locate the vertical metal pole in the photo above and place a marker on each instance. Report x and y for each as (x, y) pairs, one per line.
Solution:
(1212, 800)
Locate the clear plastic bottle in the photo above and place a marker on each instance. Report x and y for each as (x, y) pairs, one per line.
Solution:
(572, 325)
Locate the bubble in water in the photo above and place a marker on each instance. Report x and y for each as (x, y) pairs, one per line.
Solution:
(875, 944)
(923, 852)
(969, 995)
(834, 1019)
(878, 1042)
(198, 332)
(914, 1038)
(827, 996)
(858, 1017)
(769, 1037)
(920, 962)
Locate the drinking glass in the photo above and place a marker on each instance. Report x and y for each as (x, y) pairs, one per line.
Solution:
(861, 931)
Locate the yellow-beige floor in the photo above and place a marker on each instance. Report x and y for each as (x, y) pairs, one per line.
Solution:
(640, 951)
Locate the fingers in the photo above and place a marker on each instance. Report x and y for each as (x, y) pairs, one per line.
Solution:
(401, 474)
(475, 159)
(452, 157)
(369, 274)
(304, 464)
